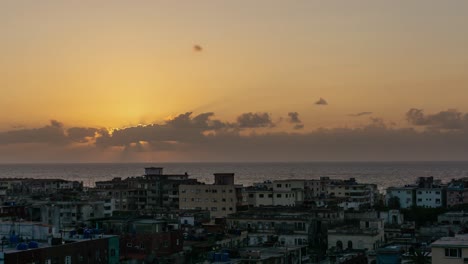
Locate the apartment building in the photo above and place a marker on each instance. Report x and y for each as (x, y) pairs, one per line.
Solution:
(285, 226)
(145, 193)
(221, 198)
(358, 195)
(425, 193)
(276, 193)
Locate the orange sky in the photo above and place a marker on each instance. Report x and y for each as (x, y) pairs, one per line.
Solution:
(121, 63)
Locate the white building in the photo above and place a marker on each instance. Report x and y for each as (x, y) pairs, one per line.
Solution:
(277, 193)
(450, 250)
(430, 197)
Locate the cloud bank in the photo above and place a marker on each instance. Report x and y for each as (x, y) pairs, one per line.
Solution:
(203, 137)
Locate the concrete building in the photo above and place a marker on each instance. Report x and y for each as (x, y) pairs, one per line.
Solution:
(358, 195)
(453, 218)
(450, 250)
(221, 198)
(145, 193)
(65, 214)
(427, 192)
(277, 193)
(316, 188)
(457, 192)
(103, 249)
(406, 195)
(285, 226)
(368, 235)
(430, 197)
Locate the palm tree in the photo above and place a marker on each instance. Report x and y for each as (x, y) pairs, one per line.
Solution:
(420, 257)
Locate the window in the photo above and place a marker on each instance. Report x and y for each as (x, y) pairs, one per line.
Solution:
(278, 185)
(251, 195)
(214, 209)
(278, 195)
(270, 195)
(453, 252)
(261, 195)
(230, 208)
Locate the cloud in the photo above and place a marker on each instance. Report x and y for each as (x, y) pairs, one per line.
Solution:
(182, 128)
(321, 101)
(294, 119)
(197, 48)
(298, 126)
(450, 119)
(202, 137)
(360, 114)
(81, 134)
(52, 133)
(254, 120)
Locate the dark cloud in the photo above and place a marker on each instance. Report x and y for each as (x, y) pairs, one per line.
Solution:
(197, 48)
(450, 119)
(81, 134)
(360, 114)
(254, 120)
(182, 128)
(321, 101)
(298, 126)
(56, 123)
(202, 137)
(294, 117)
(52, 133)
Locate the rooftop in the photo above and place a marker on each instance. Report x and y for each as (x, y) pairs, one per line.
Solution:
(457, 240)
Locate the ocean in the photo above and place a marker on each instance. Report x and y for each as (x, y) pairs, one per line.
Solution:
(384, 174)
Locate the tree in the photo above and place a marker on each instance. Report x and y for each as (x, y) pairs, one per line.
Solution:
(420, 257)
(394, 203)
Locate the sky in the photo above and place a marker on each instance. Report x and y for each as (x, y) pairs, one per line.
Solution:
(150, 81)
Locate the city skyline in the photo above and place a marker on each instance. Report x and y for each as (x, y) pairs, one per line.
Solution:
(233, 81)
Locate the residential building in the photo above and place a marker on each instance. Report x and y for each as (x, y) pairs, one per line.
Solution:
(427, 192)
(450, 250)
(457, 192)
(276, 193)
(453, 218)
(406, 196)
(102, 249)
(145, 193)
(358, 195)
(285, 226)
(221, 198)
(368, 235)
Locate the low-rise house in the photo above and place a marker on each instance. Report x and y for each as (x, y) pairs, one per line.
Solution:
(453, 218)
(369, 234)
(286, 226)
(450, 250)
